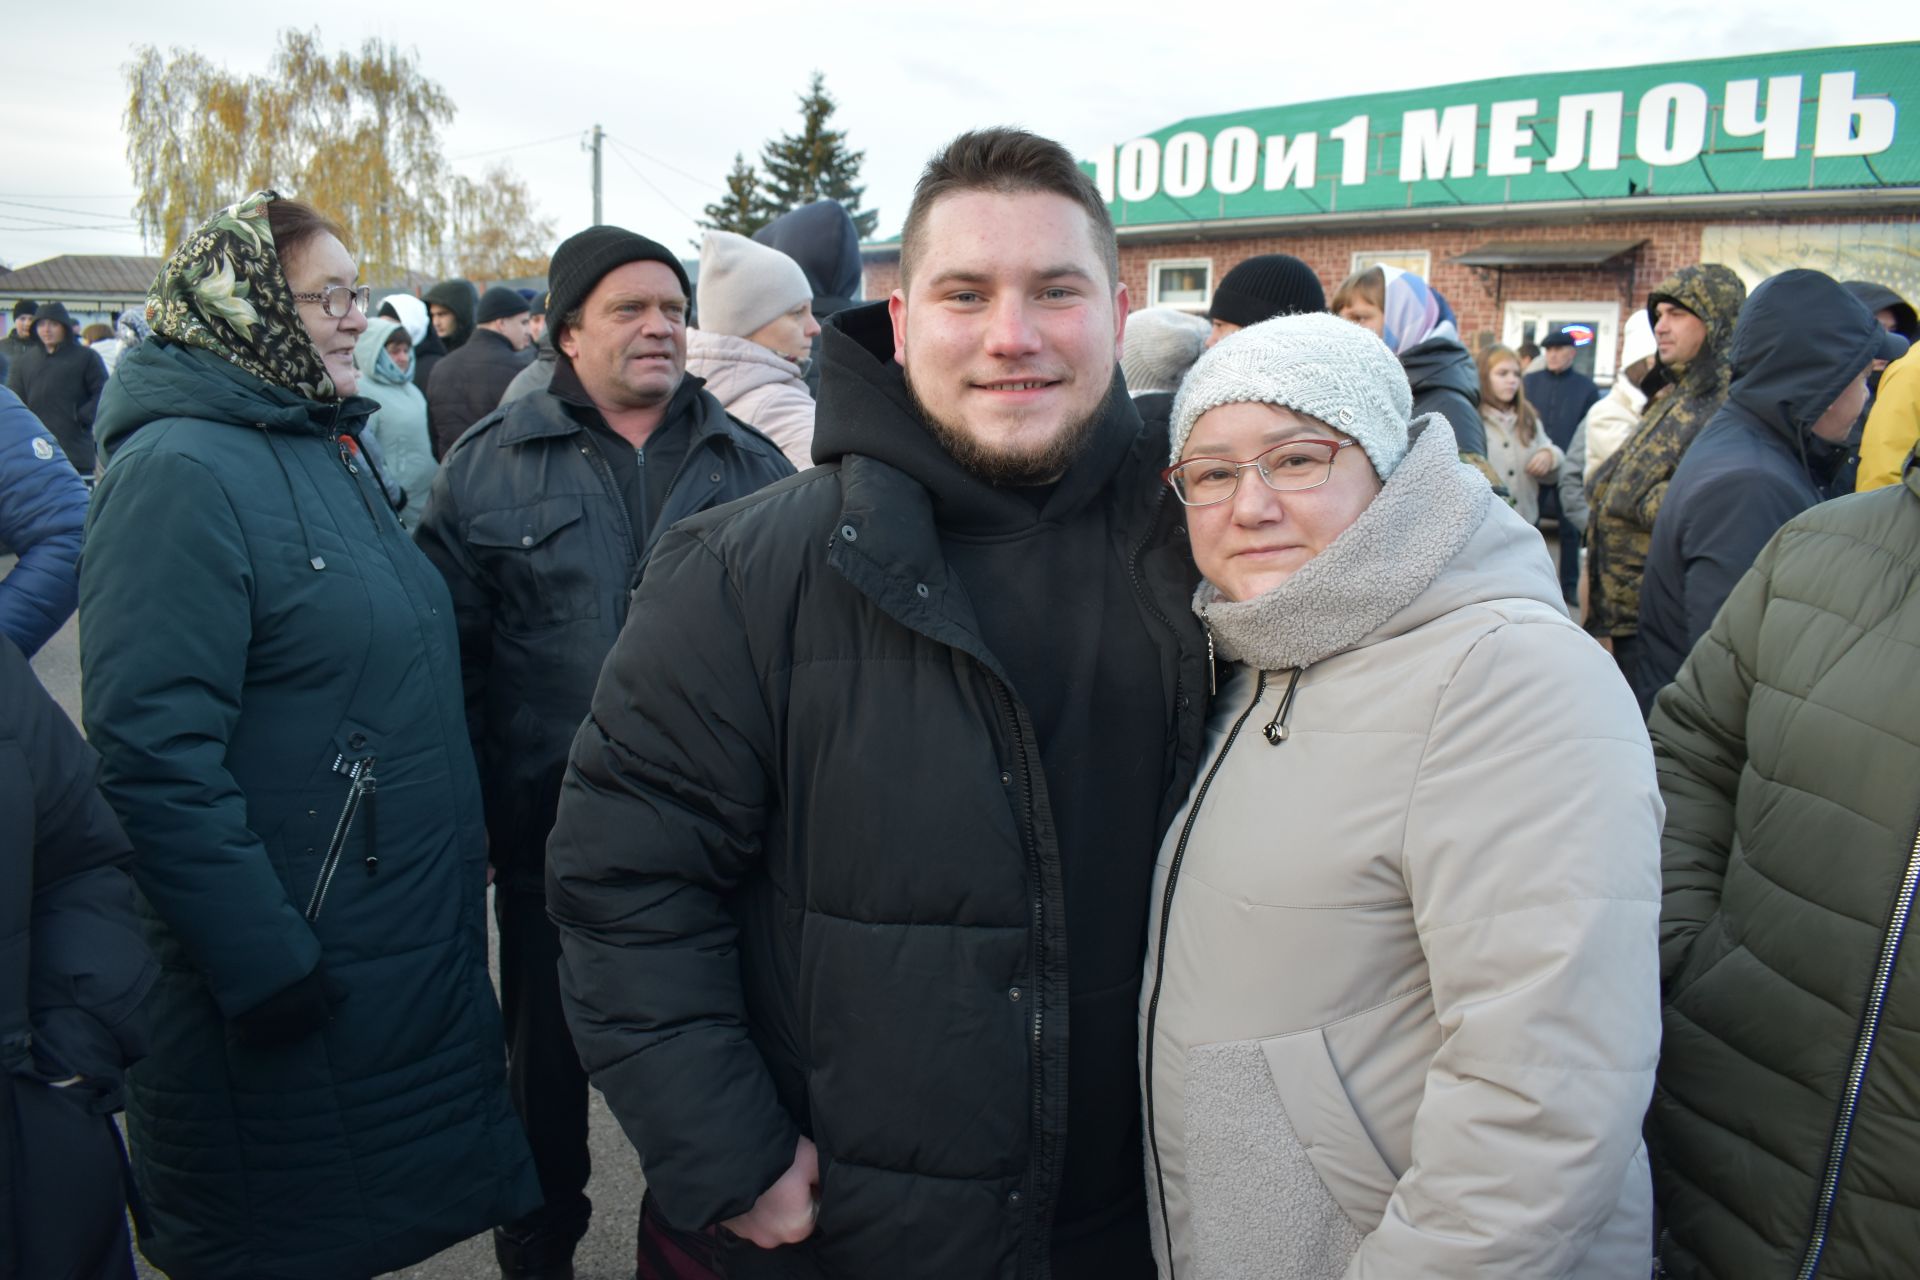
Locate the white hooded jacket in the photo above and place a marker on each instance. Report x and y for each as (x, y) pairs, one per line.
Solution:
(1401, 1007)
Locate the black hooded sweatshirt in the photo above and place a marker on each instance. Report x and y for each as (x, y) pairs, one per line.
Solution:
(913, 740)
(460, 297)
(1800, 339)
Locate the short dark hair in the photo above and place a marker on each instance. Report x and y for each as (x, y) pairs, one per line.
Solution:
(1007, 162)
(295, 222)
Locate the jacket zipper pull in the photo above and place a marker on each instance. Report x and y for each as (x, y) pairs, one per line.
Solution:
(1212, 670)
(346, 454)
(370, 796)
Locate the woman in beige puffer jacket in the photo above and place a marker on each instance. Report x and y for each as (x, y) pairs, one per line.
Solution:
(1401, 1006)
(756, 328)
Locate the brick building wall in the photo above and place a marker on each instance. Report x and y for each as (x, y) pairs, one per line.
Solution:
(1670, 245)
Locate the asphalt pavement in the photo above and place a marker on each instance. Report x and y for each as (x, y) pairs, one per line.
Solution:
(607, 1252)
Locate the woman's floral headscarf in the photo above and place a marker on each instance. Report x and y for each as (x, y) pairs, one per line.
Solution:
(224, 289)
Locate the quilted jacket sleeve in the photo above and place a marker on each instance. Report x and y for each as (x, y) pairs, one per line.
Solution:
(166, 620)
(661, 814)
(1699, 730)
(1532, 863)
(43, 512)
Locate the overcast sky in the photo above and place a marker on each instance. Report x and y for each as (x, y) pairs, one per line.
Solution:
(680, 87)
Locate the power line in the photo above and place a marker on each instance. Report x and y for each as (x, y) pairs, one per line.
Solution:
(127, 227)
(656, 190)
(518, 146)
(711, 186)
(54, 208)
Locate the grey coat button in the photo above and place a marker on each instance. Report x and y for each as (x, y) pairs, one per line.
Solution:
(850, 533)
(920, 588)
(526, 539)
(1013, 994)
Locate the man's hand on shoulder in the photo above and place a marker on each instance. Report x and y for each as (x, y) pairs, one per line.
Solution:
(786, 1211)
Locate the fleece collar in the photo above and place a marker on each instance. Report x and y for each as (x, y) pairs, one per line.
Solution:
(1381, 563)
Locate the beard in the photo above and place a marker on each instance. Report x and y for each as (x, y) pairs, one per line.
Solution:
(1004, 468)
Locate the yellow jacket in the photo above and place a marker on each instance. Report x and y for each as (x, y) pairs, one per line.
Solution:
(1892, 426)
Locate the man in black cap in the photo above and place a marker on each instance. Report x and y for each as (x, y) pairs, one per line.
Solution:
(20, 337)
(541, 520)
(1273, 284)
(1561, 395)
(61, 378)
(468, 384)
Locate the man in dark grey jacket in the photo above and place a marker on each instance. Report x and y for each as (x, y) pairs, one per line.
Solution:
(468, 384)
(1801, 354)
(541, 520)
(855, 846)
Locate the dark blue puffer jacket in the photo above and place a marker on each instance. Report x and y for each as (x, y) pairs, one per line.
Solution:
(43, 513)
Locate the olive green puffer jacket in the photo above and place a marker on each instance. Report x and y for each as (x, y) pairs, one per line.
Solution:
(1785, 1128)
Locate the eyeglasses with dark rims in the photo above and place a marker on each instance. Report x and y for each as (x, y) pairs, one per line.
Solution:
(336, 300)
(1288, 467)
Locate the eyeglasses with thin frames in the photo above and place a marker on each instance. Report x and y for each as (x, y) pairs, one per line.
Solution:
(1288, 468)
(335, 301)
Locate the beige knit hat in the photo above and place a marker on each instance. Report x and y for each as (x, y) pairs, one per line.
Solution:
(1317, 365)
(744, 285)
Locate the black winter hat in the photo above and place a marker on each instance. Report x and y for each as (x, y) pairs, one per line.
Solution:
(1273, 284)
(25, 307)
(499, 302)
(1558, 338)
(585, 257)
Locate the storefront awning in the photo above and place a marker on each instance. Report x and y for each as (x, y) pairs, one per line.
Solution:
(1547, 253)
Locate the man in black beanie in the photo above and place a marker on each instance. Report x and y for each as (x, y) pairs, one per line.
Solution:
(541, 519)
(1273, 284)
(19, 339)
(468, 384)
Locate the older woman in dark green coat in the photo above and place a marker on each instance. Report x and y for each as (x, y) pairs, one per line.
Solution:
(271, 677)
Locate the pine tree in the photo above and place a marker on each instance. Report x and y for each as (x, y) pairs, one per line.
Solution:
(816, 164)
(744, 209)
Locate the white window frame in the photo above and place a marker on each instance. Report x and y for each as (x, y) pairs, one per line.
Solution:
(1157, 265)
(1606, 341)
(1364, 258)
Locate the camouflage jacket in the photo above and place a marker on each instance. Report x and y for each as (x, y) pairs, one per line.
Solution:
(1626, 491)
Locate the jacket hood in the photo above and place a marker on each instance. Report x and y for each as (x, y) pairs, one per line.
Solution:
(1877, 297)
(865, 409)
(370, 354)
(57, 312)
(1785, 378)
(821, 238)
(1715, 294)
(1442, 364)
(1433, 540)
(412, 313)
(734, 366)
(460, 297)
(162, 379)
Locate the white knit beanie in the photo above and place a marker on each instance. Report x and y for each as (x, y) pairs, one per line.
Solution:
(1317, 365)
(1160, 346)
(744, 285)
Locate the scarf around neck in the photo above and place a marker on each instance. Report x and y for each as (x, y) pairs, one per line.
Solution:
(1378, 565)
(225, 290)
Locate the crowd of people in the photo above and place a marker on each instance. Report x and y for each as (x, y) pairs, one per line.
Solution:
(1104, 795)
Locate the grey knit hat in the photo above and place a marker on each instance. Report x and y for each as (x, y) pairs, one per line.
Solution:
(1161, 345)
(744, 285)
(1317, 365)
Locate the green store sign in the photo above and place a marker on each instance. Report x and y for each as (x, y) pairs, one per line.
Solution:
(1811, 119)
